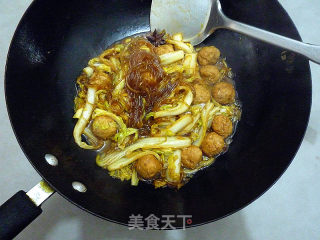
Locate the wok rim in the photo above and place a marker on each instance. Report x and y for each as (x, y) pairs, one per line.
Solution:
(308, 110)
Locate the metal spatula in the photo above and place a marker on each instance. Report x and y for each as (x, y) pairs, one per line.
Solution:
(197, 20)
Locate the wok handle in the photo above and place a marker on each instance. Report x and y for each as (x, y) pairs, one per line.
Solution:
(17, 213)
(21, 209)
(312, 52)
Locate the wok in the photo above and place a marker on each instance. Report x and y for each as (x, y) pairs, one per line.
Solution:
(53, 43)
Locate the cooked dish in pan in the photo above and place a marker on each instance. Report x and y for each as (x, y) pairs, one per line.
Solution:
(156, 109)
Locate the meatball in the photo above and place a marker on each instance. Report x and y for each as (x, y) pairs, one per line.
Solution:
(210, 72)
(104, 127)
(212, 144)
(191, 156)
(208, 55)
(163, 49)
(199, 81)
(100, 81)
(222, 125)
(223, 92)
(148, 166)
(202, 94)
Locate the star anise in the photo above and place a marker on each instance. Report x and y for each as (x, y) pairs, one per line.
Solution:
(157, 38)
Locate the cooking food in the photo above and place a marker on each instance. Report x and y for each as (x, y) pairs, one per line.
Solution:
(156, 109)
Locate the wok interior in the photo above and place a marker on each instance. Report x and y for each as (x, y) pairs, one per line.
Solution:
(53, 43)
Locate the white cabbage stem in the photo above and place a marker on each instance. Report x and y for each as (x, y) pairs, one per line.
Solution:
(134, 178)
(205, 115)
(180, 108)
(91, 95)
(84, 119)
(93, 140)
(180, 124)
(190, 63)
(145, 143)
(173, 68)
(190, 126)
(129, 159)
(88, 71)
(78, 113)
(181, 45)
(174, 167)
(145, 48)
(171, 57)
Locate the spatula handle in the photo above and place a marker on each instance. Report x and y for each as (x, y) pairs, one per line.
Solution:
(310, 51)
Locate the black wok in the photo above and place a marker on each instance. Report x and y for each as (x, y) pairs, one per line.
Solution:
(53, 43)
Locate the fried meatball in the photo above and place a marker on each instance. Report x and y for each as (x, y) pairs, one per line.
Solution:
(222, 125)
(199, 81)
(223, 92)
(104, 127)
(191, 156)
(212, 144)
(163, 49)
(210, 72)
(202, 94)
(148, 166)
(208, 55)
(100, 81)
